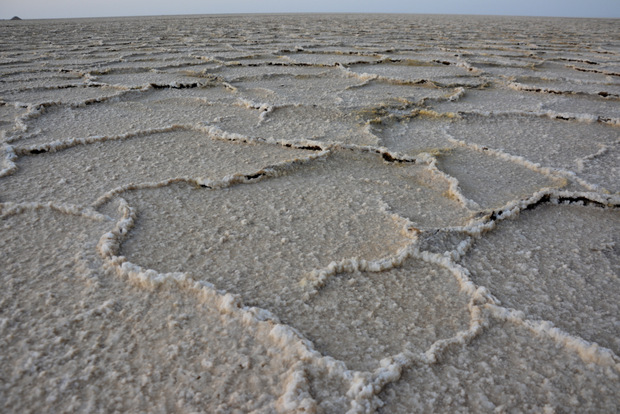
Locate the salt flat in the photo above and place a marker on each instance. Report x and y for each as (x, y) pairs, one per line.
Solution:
(310, 213)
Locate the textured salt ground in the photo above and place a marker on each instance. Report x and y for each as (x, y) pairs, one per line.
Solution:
(507, 369)
(110, 119)
(84, 173)
(128, 65)
(23, 76)
(412, 71)
(260, 240)
(360, 274)
(308, 122)
(556, 71)
(413, 135)
(234, 73)
(142, 79)
(473, 169)
(69, 95)
(379, 94)
(604, 168)
(502, 100)
(569, 87)
(321, 89)
(549, 142)
(381, 314)
(98, 344)
(328, 59)
(578, 293)
(8, 113)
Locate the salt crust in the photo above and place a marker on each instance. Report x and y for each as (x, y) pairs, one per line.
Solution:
(308, 380)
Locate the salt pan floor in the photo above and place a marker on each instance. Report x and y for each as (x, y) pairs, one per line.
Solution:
(317, 213)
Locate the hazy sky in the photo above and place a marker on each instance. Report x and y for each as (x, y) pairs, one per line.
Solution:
(31, 9)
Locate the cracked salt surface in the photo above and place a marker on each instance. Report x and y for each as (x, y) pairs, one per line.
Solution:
(268, 214)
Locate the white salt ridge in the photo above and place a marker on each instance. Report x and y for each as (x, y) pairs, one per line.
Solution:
(8, 209)
(225, 302)
(329, 59)
(500, 101)
(439, 81)
(289, 122)
(566, 116)
(363, 388)
(587, 89)
(8, 164)
(274, 170)
(62, 95)
(589, 352)
(595, 70)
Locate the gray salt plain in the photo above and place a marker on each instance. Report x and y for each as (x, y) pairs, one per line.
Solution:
(310, 213)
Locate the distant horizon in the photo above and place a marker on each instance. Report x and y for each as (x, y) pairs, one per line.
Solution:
(69, 9)
(298, 13)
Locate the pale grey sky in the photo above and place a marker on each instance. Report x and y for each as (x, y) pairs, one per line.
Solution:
(32, 9)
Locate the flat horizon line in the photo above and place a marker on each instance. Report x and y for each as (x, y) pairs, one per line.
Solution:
(306, 13)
